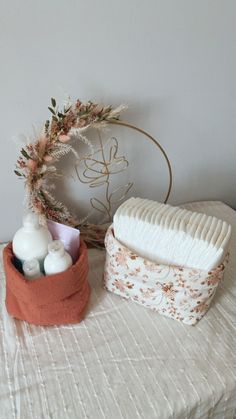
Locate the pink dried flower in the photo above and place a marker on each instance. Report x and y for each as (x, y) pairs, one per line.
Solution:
(64, 138)
(48, 158)
(32, 165)
(82, 122)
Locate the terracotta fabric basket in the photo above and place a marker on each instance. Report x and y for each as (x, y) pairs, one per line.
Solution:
(180, 293)
(50, 300)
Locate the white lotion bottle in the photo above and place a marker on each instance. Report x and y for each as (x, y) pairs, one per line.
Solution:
(31, 269)
(31, 240)
(57, 260)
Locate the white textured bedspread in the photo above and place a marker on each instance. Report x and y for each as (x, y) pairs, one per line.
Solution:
(123, 360)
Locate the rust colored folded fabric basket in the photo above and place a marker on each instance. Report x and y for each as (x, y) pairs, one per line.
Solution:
(50, 300)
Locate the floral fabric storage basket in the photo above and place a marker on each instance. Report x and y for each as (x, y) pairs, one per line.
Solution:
(52, 299)
(180, 293)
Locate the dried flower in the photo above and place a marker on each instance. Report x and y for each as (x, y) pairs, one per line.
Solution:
(48, 158)
(32, 165)
(64, 138)
(51, 147)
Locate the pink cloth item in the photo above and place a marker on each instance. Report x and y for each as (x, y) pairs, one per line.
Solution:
(69, 236)
(183, 294)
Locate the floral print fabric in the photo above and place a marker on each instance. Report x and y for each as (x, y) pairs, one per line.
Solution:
(181, 293)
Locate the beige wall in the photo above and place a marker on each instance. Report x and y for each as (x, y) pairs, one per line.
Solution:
(172, 61)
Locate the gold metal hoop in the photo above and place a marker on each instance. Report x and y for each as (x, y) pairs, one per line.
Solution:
(126, 124)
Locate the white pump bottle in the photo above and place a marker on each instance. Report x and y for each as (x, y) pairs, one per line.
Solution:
(31, 240)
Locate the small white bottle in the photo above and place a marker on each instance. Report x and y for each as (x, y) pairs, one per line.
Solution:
(57, 260)
(31, 269)
(31, 240)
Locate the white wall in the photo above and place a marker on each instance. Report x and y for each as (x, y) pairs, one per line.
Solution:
(172, 61)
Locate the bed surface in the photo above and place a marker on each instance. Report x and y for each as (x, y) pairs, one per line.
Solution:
(123, 360)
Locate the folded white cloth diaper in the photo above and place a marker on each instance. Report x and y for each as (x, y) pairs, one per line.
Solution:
(171, 235)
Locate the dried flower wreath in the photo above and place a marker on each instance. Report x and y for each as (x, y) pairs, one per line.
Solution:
(36, 163)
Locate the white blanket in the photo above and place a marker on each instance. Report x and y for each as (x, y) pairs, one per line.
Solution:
(123, 361)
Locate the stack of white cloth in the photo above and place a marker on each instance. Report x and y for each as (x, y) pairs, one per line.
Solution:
(171, 235)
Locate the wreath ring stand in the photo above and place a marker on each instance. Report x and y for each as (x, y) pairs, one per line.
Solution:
(36, 162)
